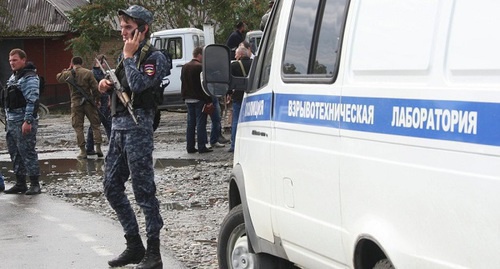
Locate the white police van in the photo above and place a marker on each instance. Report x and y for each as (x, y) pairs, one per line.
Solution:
(369, 137)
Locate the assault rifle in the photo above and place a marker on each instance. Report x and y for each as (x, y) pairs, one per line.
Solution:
(71, 81)
(120, 93)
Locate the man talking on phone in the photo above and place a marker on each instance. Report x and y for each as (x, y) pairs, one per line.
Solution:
(140, 69)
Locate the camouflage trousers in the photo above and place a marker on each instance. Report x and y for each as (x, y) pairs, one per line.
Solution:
(22, 148)
(131, 154)
(78, 114)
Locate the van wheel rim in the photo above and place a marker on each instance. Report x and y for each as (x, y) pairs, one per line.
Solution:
(241, 258)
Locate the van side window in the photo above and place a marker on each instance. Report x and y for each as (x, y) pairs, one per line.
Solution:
(174, 48)
(196, 41)
(314, 38)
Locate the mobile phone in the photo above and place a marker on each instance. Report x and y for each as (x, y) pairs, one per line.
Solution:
(140, 28)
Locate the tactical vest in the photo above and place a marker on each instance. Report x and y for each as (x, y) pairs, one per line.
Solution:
(145, 99)
(13, 96)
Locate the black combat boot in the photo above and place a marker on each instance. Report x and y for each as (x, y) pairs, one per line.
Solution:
(20, 186)
(132, 254)
(98, 150)
(34, 186)
(152, 259)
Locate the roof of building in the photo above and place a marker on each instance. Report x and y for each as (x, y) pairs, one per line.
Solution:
(36, 18)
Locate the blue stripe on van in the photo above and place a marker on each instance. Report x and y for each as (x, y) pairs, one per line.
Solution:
(470, 122)
(256, 108)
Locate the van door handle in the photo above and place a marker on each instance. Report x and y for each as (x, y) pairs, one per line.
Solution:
(257, 133)
(179, 65)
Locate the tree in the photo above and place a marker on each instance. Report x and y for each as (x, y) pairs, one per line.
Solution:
(92, 23)
(99, 19)
(5, 17)
(224, 14)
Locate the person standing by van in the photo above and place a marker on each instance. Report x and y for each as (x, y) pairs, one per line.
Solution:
(195, 99)
(239, 68)
(236, 37)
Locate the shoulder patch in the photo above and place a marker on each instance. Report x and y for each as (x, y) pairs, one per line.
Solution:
(150, 69)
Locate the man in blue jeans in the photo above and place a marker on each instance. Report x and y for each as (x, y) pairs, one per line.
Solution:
(195, 98)
(215, 132)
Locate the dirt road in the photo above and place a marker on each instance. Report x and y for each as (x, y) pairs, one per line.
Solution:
(192, 188)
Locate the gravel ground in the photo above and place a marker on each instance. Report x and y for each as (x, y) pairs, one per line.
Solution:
(191, 188)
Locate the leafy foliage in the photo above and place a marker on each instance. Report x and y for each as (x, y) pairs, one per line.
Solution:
(228, 13)
(5, 17)
(223, 14)
(93, 22)
(98, 19)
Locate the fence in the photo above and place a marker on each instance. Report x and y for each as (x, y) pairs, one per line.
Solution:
(56, 97)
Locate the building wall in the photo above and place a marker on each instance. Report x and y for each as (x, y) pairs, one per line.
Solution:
(50, 56)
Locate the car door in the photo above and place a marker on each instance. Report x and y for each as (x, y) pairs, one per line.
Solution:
(306, 141)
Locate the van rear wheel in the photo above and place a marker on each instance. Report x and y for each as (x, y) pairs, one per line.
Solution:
(233, 250)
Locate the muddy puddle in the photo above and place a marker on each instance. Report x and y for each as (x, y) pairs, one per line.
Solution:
(76, 180)
(61, 169)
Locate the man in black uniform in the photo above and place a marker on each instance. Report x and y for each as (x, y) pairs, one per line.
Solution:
(130, 154)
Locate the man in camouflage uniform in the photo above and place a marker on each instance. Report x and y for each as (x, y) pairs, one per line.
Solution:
(81, 106)
(131, 144)
(21, 101)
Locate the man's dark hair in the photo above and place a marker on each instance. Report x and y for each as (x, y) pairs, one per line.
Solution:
(239, 25)
(77, 60)
(197, 51)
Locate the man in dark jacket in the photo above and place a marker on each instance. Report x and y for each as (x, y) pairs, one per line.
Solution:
(195, 99)
(236, 37)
